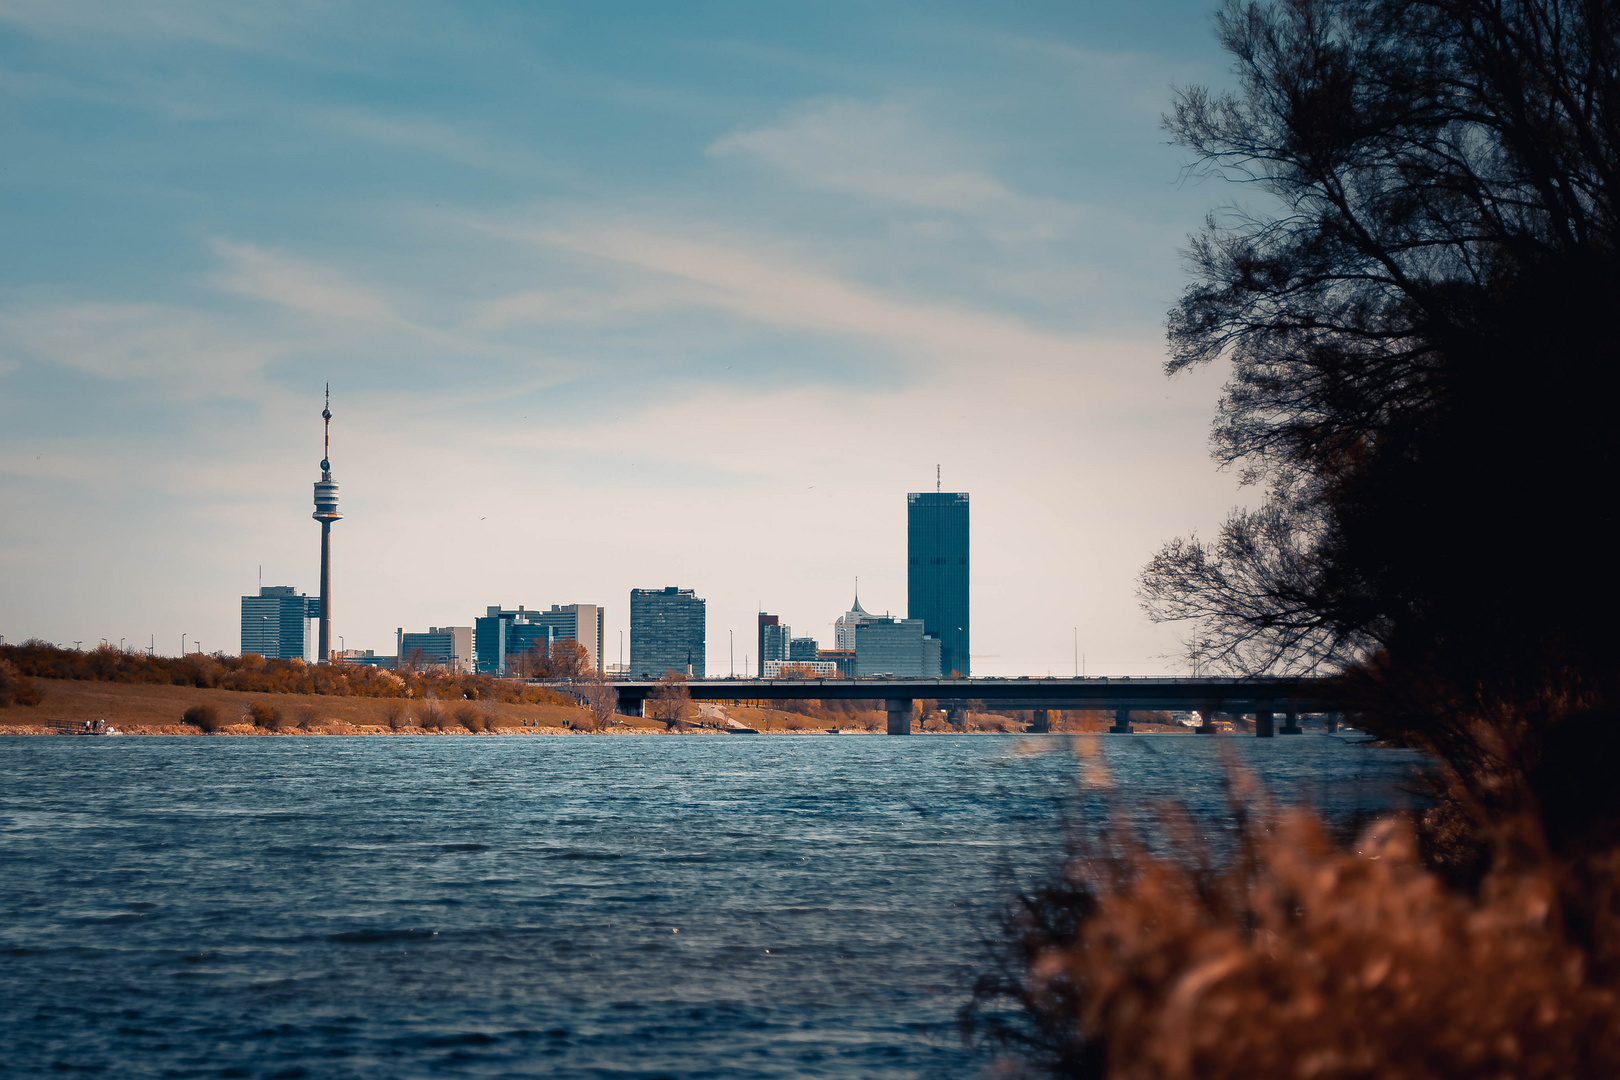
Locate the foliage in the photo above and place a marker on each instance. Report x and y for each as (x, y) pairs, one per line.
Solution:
(203, 717)
(16, 688)
(255, 674)
(1298, 957)
(1416, 332)
(265, 715)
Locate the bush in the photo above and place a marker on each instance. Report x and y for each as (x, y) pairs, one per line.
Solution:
(470, 718)
(398, 718)
(203, 717)
(265, 716)
(1299, 957)
(430, 714)
(17, 688)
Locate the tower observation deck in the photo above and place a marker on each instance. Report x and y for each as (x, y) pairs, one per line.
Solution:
(326, 512)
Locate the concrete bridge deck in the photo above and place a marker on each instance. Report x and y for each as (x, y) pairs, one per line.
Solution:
(1263, 696)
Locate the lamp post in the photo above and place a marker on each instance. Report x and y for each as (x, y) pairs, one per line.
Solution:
(733, 637)
(182, 645)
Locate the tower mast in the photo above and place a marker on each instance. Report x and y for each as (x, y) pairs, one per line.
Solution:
(326, 512)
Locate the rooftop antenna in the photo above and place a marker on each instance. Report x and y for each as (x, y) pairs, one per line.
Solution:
(936, 479)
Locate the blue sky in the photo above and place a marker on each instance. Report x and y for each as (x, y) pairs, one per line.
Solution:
(610, 296)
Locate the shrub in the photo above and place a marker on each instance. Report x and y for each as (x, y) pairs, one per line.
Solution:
(398, 718)
(430, 714)
(17, 688)
(203, 717)
(265, 716)
(469, 717)
(1298, 957)
(308, 717)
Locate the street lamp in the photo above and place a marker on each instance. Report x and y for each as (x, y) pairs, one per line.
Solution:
(182, 645)
(733, 635)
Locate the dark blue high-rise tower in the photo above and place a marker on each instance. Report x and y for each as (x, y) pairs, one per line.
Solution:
(937, 574)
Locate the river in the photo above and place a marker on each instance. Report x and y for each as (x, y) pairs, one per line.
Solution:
(636, 906)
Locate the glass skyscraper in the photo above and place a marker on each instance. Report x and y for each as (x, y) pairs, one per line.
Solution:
(937, 572)
(668, 632)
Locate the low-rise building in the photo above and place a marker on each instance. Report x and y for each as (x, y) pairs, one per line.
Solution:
(446, 647)
(780, 669)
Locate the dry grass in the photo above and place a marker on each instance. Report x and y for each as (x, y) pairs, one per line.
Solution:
(157, 709)
(1300, 957)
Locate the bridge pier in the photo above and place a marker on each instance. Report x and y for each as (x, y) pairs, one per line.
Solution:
(1206, 720)
(1332, 721)
(1291, 724)
(1263, 724)
(956, 717)
(633, 706)
(899, 710)
(1041, 724)
(1122, 722)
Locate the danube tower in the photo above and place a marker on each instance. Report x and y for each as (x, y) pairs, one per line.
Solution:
(326, 512)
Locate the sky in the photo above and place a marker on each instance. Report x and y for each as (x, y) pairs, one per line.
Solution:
(609, 296)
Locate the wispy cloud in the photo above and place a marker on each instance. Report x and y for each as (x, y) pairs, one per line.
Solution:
(138, 343)
(887, 152)
(297, 285)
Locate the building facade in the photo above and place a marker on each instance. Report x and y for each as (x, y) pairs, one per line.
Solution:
(803, 648)
(503, 635)
(773, 639)
(937, 572)
(821, 669)
(844, 628)
(447, 647)
(278, 623)
(900, 648)
(668, 632)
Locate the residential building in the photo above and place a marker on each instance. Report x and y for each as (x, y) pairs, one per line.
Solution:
(937, 572)
(447, 647)
(277, 623)
(668, 632)
(897, 647)
(822, 669)
(842, 659)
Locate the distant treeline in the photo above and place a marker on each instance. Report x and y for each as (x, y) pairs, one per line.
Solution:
(257, 674)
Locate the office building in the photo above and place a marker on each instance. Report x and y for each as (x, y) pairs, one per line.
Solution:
(773, 640)
(803, 648)
(276, 624)
(937, 572)
(502, 635)
(446, 647)
(844, 628)
(668, 632)
(900, 648)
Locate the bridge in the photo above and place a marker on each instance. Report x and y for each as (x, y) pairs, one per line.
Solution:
(1265, 696)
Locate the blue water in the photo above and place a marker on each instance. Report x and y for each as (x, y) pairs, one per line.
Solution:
(504, 906)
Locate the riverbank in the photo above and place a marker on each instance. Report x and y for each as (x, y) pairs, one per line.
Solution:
(147, 709)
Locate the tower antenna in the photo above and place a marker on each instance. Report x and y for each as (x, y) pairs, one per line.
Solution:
(936, 479)
(326, 512)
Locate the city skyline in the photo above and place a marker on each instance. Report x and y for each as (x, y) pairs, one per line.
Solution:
(619, 300)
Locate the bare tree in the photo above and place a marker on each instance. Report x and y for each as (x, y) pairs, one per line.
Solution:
(600, 698)
(671, 702)
(1417, 310)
